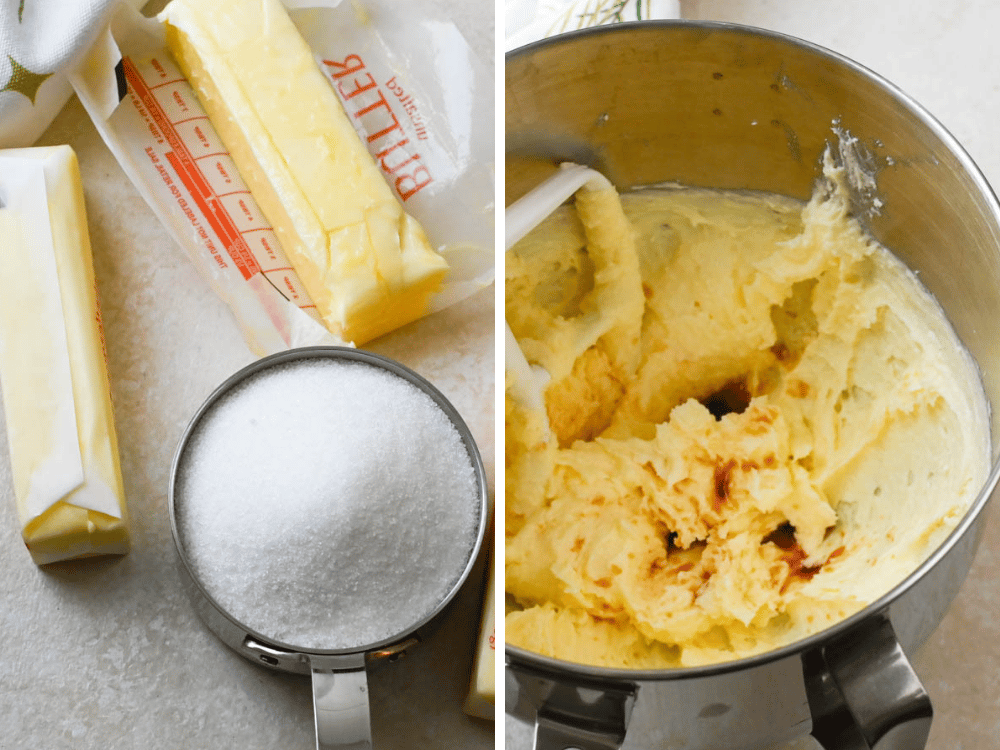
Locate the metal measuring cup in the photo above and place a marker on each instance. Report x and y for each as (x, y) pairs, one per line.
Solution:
(339, 676)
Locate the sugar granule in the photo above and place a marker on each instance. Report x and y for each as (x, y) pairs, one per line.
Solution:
(327, 504)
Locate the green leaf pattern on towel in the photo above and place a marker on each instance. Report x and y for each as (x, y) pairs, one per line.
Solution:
(23, 81)
(580, 15)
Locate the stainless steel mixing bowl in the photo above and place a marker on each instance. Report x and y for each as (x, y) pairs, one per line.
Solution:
(724, 106)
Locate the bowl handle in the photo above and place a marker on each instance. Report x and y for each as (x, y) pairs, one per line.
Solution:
(553, 734)
(340, 702)
(588, 715)
(863, 693)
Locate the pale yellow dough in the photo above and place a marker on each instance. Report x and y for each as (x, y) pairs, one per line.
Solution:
(642, 530)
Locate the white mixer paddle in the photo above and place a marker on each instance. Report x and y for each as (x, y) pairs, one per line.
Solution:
(528, 211)
(521, 217)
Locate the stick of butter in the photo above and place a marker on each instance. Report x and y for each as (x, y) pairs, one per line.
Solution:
(56, 395)
(482, 692)
(365, 262)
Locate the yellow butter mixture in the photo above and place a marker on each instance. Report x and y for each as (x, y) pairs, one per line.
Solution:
(756, 422)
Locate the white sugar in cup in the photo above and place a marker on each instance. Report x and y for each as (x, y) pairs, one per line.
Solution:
(327, 500)
(327, 504)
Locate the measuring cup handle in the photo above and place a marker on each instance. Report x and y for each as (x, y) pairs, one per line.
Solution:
(340, 702)
(863, 693)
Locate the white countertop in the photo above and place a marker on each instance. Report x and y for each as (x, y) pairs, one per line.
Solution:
(943, 54)
(109, 653)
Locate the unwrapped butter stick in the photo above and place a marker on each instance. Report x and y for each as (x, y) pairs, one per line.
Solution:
(365, 262)
(482, 692)
(56, 395)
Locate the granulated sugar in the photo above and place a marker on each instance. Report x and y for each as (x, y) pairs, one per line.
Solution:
(327, 504)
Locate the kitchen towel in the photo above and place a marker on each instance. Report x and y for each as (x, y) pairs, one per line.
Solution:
(39, 39)
(530, 20)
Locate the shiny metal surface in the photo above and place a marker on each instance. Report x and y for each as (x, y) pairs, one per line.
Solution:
(340, 704)
(751, 707)
(589, 715)
(864, 693)
(339, 677)
(724, 106)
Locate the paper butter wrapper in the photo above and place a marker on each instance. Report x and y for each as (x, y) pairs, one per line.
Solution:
(152, 121)
(57, 402)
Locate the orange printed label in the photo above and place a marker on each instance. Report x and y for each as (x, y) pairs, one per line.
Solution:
(391, 123)
(194, 165)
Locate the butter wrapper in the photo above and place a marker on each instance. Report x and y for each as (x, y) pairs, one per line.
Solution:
(60, 426)
(437, 157)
